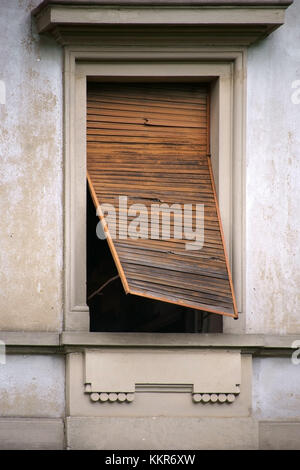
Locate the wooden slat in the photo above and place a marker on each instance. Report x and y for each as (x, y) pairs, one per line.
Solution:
(150, 142)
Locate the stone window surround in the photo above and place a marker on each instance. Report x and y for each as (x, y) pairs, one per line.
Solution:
(226, 70)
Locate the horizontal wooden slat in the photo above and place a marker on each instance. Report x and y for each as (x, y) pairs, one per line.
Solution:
(138, 139)
(132, 110)
(149, 142)
(162, 121)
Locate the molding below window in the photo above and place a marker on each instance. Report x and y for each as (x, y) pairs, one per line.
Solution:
(118, 375)
(254, 343)
(30, 338)
(21, 342)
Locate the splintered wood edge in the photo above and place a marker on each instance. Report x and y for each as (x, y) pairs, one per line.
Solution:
(236, 314)
(182, 303)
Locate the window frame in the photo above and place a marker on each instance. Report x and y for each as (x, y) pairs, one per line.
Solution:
(226, 68)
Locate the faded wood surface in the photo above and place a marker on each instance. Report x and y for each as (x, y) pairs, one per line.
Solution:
(150, 142)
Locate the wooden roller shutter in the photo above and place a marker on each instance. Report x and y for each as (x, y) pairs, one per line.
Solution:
(149, 142)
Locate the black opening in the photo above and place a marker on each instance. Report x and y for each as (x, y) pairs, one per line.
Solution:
(112, 310)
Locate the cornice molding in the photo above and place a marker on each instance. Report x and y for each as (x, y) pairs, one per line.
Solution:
(245, 3)
(210, 23)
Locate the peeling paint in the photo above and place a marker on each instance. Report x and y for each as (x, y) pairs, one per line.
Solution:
(32, 386)
(272, 183)
(31, 175)
(276, 385)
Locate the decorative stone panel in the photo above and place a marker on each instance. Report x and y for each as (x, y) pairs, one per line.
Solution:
(117, 375)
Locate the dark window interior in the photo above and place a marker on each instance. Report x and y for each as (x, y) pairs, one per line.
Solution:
(111, 310)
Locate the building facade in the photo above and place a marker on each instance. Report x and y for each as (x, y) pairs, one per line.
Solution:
(65, 385)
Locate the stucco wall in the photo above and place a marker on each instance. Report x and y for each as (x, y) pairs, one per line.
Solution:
(31, 173)
(273, 175)
(32, 402)
(276, 389)
(32, 386)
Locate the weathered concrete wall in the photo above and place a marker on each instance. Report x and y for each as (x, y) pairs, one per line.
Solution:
(31, 173)
(32, 396)
(32, 402)
(273, 174)
(32, 386)
(31, 434)
(276, 389)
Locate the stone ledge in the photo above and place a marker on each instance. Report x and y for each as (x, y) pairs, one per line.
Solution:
(249, 342)
(29, 338)
(256, 344)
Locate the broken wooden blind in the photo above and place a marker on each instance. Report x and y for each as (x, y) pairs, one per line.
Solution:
(149, 143)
